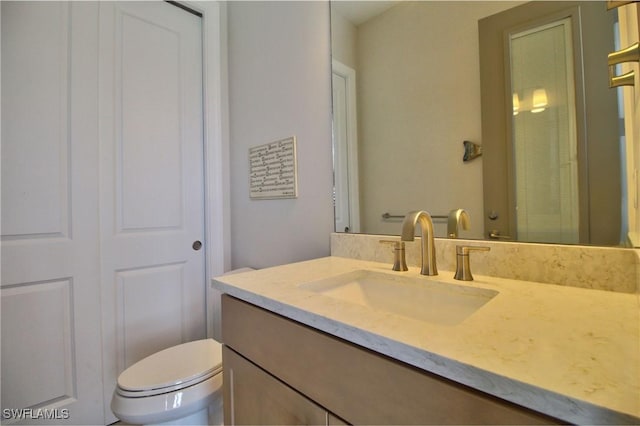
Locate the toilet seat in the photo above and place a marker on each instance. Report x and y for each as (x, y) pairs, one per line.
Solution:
(171, 406)
(171, 369)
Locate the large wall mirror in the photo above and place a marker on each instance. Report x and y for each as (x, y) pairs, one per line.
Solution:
(524, 83)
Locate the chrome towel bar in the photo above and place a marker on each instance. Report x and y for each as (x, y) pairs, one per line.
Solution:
(401, 216)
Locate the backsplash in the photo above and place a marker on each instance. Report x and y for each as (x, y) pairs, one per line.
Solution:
(600, 268)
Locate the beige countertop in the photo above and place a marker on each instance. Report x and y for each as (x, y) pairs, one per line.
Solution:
(567, 352)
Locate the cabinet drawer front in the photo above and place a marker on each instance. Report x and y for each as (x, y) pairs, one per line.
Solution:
(357, 384)
(252, 395)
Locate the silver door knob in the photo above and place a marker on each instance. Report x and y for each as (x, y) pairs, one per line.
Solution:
(197, 245)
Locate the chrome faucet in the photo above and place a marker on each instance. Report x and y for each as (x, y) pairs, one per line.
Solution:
(428, 246)
(456, 218)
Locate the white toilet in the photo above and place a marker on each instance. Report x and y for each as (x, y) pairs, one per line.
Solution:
(179, 385)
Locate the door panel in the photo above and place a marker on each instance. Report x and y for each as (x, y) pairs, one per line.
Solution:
(51, 350)
(345, 149)
(151, 187)
(340, 157)
(35, 85)
(43, 311)
(126, 188)
(140, 320)
(148, 105)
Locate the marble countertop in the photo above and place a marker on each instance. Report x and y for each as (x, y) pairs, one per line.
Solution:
(571, 353)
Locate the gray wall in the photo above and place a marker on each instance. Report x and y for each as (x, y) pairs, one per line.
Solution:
(280, 86)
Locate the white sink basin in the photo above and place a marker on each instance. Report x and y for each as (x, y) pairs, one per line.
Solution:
(422, 299)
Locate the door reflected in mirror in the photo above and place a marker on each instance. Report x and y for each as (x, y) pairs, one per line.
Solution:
(544, 133)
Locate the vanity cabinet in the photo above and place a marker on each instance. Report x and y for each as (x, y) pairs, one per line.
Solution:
(278, 371)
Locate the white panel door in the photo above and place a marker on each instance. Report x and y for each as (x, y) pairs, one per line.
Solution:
(345, 149)
(51, 348)
(151, 181)
(340, 157)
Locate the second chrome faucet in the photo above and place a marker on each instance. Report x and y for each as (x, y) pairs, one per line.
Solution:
(422, 218)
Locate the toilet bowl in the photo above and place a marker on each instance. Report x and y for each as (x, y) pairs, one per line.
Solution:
(178, 385)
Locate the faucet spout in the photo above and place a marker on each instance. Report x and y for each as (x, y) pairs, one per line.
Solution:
(456, 218)
(428, 247)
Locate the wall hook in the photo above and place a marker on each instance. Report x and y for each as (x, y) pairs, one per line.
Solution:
(471, 151)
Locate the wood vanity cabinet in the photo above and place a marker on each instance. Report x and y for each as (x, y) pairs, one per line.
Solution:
(259, 398)
(278, 371)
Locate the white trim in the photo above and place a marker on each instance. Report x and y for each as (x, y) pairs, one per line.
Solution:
(216, 151)
(349, 76)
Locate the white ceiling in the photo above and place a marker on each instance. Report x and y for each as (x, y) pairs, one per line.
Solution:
(358, 12)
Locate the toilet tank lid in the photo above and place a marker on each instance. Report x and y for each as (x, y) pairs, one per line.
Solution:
(173, 366)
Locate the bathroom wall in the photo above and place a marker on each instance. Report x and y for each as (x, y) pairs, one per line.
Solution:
(343, 40)
(417, 69)
(279, 86)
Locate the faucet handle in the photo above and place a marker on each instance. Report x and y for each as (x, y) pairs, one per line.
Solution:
(464, 250)
(463, 267)
(399, 262)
